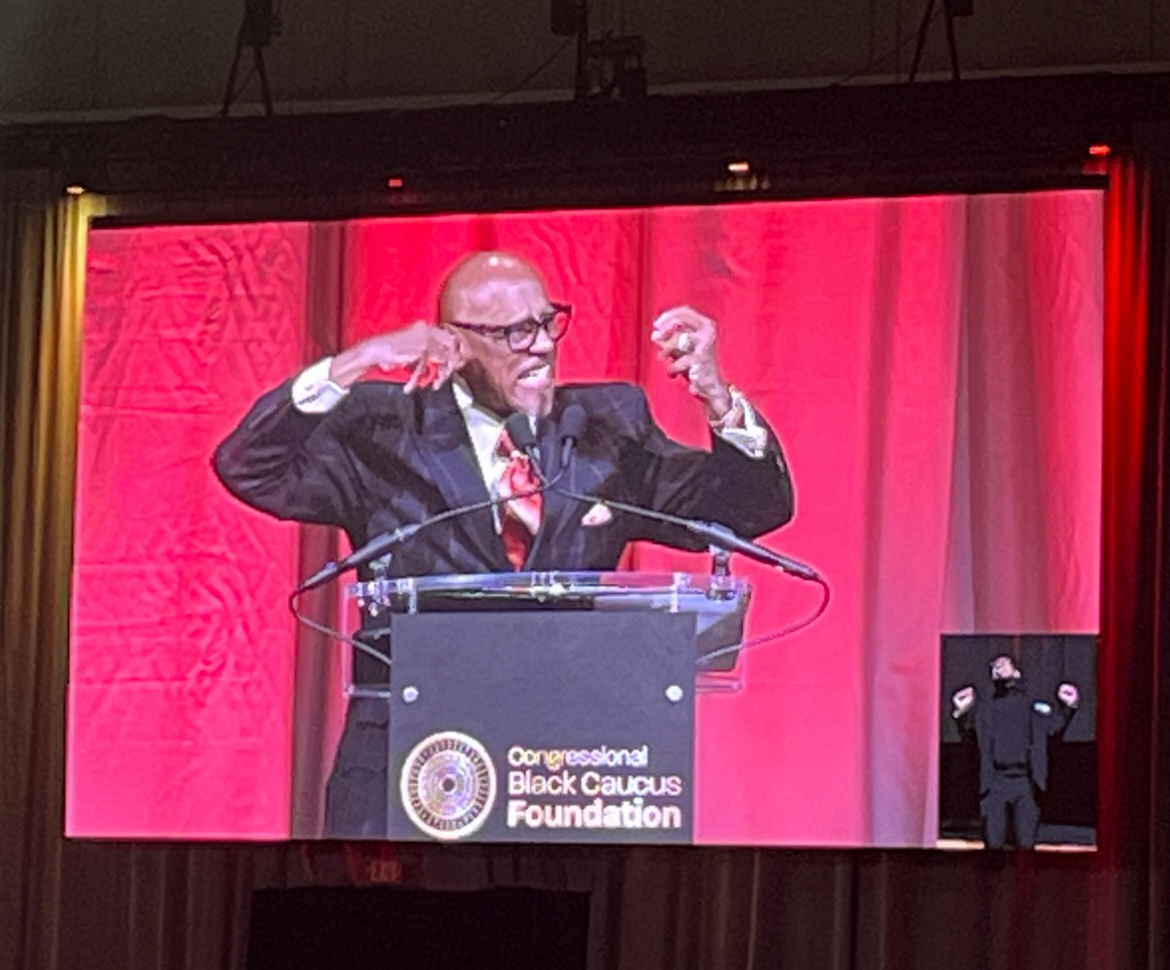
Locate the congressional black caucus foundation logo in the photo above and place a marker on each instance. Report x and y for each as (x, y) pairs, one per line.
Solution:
(448, 785)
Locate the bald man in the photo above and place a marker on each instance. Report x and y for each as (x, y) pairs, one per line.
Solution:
(368, 457)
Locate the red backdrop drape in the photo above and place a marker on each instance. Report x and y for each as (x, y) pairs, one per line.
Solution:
(933, 366)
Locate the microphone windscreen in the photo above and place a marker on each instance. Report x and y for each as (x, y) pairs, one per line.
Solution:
(519, 429)
(572, 422)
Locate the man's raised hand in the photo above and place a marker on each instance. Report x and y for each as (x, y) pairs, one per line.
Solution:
(964, 700)
(431, 355)
(686, 341)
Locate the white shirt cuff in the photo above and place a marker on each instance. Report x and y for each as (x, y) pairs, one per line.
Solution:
(313, 392)
(741, 427)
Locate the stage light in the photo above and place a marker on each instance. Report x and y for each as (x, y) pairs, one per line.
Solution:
(1100, 150)
(394, 182)
(739, 167)
(75, 190)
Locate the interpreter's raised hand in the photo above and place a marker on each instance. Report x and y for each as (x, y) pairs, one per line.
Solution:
(686, 341)
(1068, 695)
(430, 354)
(963, 700)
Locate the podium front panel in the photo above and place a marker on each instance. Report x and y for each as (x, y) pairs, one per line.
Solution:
(542, 727)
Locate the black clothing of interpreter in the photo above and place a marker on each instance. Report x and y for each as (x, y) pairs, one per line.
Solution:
(1012, 729)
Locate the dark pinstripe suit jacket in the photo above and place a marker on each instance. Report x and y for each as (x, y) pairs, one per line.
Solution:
(382, 459)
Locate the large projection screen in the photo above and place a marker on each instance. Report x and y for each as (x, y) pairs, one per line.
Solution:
(931, 365)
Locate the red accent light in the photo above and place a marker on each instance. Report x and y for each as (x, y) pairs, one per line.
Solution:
(394, 183)
(1100, 151)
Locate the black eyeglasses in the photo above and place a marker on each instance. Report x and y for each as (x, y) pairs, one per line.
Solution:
(521, 336)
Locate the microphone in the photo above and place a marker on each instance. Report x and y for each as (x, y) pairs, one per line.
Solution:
(572, 425)
(720, 535)
(377, 547)
(519, 429)
(713, 533)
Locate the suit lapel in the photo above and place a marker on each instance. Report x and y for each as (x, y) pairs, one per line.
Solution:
(555, 503)
(445, 447)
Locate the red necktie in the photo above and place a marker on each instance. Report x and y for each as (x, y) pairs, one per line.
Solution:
(520, 517)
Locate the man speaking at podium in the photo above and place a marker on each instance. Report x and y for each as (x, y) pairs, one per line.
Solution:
(372, 457)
